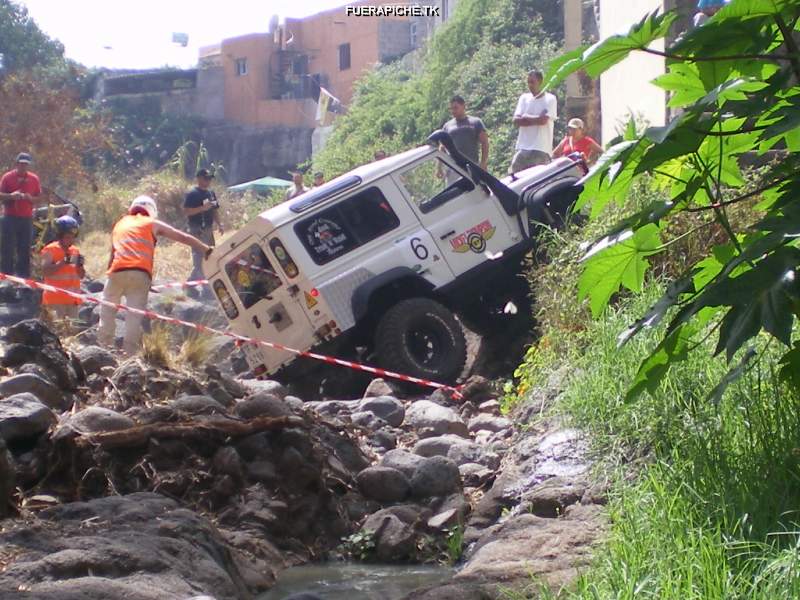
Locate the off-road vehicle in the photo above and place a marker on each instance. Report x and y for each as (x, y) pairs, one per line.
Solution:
(390, 257)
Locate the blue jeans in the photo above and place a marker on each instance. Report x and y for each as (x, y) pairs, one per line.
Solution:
(15, 246)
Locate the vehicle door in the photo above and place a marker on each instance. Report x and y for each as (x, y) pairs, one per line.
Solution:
(269, 310)
(466, 224)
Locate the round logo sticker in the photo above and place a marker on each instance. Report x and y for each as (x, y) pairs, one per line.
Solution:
(476, 242)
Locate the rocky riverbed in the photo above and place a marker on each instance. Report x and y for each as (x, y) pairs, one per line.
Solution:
(122, 479)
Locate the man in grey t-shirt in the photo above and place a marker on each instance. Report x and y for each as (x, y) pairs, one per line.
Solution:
(468, 133)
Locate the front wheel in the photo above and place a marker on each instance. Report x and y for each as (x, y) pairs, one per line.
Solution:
(420, 337)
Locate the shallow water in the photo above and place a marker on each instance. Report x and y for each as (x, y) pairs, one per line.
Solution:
(343, 581)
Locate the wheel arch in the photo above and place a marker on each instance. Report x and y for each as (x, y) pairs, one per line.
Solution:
(387, 288)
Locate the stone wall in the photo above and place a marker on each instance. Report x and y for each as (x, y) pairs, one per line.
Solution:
(251, 152)
(394, 39)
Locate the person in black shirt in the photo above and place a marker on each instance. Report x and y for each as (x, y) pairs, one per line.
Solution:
(202, 211)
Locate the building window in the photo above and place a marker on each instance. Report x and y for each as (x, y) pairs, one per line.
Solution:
(344, 57)
(413, 32)
(241, 66)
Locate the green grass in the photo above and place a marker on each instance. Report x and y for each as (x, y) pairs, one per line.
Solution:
(713, 508)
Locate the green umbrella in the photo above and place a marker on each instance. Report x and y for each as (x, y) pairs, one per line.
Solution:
(261, 186)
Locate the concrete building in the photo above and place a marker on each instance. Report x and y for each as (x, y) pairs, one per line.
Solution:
(625, 90)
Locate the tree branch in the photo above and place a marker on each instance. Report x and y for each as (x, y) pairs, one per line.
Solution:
(788, 39)
(740, 198)
(788, 57)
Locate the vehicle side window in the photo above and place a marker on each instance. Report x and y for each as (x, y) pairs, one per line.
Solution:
(432, 183)
(252, 275)
(346, 225)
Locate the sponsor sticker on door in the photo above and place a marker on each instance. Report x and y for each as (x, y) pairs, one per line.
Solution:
(474, 238)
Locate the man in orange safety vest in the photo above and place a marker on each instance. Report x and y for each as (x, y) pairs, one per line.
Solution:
(130, 268)
(62, 266)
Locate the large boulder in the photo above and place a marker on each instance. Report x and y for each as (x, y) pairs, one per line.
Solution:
(94, 358)
(431, 419)
(402, 460)
(255, 386)
(22, 416)
(485, 422)
(197, 405)
(528, 548)
(262, 404)
(378, 387)
(435, 476)
(31, 332)
(383, 484)
(96, 419)
(395, 532)
(40, 387)
(386, 407)
(140, 547)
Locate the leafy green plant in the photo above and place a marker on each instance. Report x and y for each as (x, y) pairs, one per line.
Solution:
(454, 537)
(735, 81)
(359, 546)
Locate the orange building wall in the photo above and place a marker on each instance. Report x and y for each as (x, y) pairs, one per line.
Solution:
(247, 97)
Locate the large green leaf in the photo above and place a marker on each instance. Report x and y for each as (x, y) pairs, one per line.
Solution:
(622, 264)
(603, 55)
(760, 297)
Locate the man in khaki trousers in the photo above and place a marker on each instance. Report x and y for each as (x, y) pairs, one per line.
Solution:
(130, 268)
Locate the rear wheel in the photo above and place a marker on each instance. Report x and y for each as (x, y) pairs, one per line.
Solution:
(420, 337)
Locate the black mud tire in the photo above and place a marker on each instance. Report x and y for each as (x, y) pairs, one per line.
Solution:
(420, 337)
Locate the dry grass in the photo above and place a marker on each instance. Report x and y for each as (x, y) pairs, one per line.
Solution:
(195, 350)
(157, 347)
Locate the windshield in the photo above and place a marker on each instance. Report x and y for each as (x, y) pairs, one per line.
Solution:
(252, 275)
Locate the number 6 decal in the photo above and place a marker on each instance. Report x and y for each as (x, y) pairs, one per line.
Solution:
(419, 249)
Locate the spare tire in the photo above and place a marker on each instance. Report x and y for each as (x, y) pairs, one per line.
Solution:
(550, 204)
(421, 337)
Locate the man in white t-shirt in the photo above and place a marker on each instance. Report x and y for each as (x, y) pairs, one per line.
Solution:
(535, 116)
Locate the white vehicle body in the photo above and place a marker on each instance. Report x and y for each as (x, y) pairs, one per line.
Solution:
(308, 270)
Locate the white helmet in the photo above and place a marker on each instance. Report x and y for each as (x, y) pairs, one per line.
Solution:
(146, 203)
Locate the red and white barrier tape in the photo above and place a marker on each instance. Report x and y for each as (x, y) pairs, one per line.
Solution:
(240, 339)
(178, 285)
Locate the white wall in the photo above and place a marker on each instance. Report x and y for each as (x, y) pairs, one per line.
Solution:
(626, 87)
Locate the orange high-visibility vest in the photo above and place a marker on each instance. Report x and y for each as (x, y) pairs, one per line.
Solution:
(65, 277)
(134, 244)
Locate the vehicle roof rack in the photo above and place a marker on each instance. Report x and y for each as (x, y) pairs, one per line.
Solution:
(325, 191)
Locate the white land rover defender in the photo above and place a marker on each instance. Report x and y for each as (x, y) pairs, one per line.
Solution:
(389, 257)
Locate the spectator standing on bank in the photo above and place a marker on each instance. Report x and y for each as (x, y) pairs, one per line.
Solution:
(535, 117)
(707, 9)
(379, 155)
(319, 179)
(130, 268)
(297, 187)
(20, 190)
(576, 140)
(202, 212)
(468, 133)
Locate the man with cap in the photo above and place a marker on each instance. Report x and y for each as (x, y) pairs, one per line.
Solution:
(297, 186)
(130, 268)
(202, 211)
(62, 267)
(19, 191)
(576, 140)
